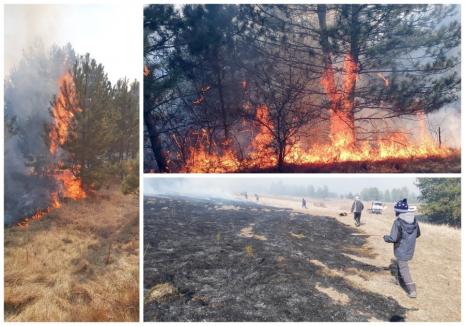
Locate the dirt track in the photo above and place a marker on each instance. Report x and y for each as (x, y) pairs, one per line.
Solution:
(221, 260)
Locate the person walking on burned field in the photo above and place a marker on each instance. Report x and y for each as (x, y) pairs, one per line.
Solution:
(357, 208)
(404, 233)
(304, 203)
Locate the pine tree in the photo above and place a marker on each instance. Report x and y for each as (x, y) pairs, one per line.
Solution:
(441, 199)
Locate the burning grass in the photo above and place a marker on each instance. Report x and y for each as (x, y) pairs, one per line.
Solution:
(432, 164)
(79, 263)
(68, 184)
(392, 151)
(345, 149)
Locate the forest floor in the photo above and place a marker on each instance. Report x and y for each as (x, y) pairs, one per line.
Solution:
(236, 260)
(79, 263)
(450, 164)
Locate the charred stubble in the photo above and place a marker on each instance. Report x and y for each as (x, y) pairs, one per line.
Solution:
(196, 246)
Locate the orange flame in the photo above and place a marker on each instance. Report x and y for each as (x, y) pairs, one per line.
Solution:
(341, 116)
(343, 147)
(66, 106)
(385, 80)
(63, 112)
(262, 153)
(203, 160)
(146, 71)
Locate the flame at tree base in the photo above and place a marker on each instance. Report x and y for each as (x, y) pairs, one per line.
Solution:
(342, 148)
(343, 144)
(69, 185)
(386, 150)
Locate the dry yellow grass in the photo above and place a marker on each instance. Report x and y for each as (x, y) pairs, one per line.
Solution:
(297, 235)
(249, 232)
(80, 263)
(337, 296)
(249, 251)
(159, 292)
(435, 267)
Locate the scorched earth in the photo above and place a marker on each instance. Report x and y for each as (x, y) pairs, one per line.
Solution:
(226, 260)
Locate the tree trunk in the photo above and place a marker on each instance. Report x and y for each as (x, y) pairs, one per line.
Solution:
(342, 102)
(439, 137)
(224, 115)
(324, 41)
(354, 54)
(155, 142)
(281, 154)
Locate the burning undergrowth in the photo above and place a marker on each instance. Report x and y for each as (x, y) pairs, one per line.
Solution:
(388, 151)
(32, 186)
(63, 181)
(225, 260)
(276, 87)
(69, 132)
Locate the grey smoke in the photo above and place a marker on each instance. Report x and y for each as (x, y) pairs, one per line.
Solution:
(29, 89)
(227, 187)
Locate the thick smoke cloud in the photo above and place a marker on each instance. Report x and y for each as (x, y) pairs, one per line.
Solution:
(448, 119)
(36, 22)
(29, 89)
(229, 187)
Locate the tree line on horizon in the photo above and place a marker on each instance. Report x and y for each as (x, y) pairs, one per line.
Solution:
(438, 199)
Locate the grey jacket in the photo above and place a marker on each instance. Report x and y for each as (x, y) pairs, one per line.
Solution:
(357, 207)
(404, 233)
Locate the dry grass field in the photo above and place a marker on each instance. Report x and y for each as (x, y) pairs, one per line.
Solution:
(80, 263)
(435, 267)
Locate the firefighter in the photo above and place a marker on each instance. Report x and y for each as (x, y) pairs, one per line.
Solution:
(304, 203)
(404, 233)
(256, 197)
(357, 208)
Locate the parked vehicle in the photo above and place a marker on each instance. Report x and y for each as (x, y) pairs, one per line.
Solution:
(377, 207)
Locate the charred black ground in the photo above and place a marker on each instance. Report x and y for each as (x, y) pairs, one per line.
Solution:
(194, 244)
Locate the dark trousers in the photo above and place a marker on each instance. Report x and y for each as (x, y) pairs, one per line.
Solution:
(357, 216)
(404, 272)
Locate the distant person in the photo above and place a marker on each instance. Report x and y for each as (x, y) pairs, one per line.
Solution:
(404, 233)
(256, 197)
(357, 208)
(245, 195)
(304, 203)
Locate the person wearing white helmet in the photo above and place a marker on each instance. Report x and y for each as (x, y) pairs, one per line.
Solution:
(357, 208)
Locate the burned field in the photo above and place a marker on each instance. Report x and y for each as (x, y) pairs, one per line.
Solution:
(224, 260)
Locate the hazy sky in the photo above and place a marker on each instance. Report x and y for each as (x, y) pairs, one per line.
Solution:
(230, 185)
(112, 34)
